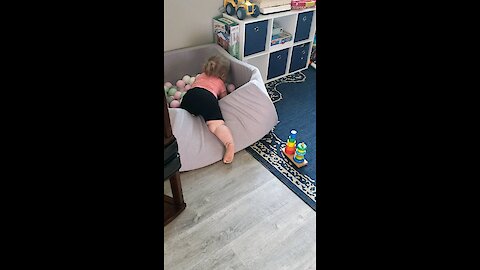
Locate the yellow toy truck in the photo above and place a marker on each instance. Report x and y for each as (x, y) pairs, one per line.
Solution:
(241, 7)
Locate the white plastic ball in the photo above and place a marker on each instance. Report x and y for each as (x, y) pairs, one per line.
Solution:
(186, 79)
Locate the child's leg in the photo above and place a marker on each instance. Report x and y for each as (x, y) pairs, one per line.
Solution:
(224, 134)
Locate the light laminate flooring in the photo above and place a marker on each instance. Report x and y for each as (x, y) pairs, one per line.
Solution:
(239, 216)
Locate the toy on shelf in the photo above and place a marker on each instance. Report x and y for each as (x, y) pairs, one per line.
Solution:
(296, 153)
(302, 4)
(227, 34)
(277, 29)
(241, 8)
(272, 6)
(279, 36)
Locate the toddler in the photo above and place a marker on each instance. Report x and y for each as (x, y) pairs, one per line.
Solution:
(202, 99)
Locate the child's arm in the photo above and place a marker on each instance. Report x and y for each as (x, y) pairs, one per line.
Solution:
(222, 95)
(223, 91)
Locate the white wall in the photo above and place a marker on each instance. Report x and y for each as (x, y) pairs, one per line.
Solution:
(188, 23)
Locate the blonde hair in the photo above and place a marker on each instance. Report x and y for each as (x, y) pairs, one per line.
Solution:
(217, 66)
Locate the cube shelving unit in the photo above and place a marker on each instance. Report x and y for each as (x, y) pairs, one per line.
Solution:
(276, 61)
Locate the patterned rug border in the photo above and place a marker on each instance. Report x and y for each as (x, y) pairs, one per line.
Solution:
(286, 181)
(269, 154)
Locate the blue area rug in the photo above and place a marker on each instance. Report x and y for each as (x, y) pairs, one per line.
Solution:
(294, 97)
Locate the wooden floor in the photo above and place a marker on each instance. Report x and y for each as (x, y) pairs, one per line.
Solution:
(239, 216)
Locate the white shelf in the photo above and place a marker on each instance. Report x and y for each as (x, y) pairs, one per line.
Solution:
(280, 47)
(255, 55)
(303, 42)
(261, 62)
(288, 22)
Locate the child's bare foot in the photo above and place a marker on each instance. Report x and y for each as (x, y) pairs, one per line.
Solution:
(229, 153)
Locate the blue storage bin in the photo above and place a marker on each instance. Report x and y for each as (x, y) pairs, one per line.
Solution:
(277, 63)
(304, 24)
(255, 37)
(299, 57)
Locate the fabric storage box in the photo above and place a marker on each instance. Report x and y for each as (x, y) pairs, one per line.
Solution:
(255, 37)
(304, 24)
(277, 63)
(299, 57)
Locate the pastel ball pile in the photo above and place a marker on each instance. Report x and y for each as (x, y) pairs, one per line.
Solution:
(175, 92)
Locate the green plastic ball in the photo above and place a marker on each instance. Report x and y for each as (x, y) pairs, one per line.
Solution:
(172, 91)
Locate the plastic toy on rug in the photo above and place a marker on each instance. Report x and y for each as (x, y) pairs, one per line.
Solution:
(241, 8)
(302, 4)
(295, 154)
(300, 153)
(291, 142)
